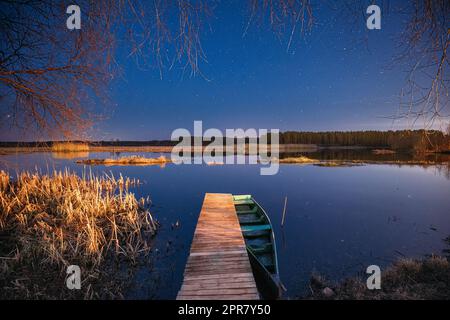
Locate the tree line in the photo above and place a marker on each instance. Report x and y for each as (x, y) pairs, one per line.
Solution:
(418, 140)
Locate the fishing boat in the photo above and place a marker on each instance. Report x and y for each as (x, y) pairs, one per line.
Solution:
(260, 242)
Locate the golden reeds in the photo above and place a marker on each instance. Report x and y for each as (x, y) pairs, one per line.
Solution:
(300, 160)
(405, 279)
(133, 160)
(62, 219)
(70, 147)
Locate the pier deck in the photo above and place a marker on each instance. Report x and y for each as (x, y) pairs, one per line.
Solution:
(218, 267)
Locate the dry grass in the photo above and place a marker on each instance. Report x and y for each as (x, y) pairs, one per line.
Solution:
(299, 160)
(133, 160)
(319, 163)
(92, 148)
(334, 164)
(405, 280)
(48, 222)
(70, 147)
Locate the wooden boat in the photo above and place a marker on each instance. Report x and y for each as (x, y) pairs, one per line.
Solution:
(260, 241)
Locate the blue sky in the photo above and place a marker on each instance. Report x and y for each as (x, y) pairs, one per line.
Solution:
(329, 80)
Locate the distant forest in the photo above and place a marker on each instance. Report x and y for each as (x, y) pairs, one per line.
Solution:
(417, 140)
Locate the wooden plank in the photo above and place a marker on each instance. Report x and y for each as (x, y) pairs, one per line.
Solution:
(236, 275)
(218, 266)
(222, 297)
(213, 285)
(214, 292)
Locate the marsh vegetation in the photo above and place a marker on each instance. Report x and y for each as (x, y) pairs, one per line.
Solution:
(70, 147)
(131, 160)
(406, 279)
(48, 222)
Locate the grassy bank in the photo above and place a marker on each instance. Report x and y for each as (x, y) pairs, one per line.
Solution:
(92, 148)
(405, 280)
(349, 163)
(48, 222)
(298, 160)
(332, 164)
(133, 160)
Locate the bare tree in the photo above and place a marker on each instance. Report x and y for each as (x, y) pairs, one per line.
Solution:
(293, 17)
(425, 42)
(51, 78)
(46, 71)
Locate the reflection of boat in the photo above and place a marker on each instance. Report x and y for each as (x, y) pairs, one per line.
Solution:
(260, 241)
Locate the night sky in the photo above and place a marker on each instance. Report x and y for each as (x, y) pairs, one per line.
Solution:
(329, 80)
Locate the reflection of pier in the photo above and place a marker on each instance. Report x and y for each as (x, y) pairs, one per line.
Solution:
(218, 266)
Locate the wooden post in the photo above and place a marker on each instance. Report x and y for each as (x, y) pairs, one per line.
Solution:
(284, 211)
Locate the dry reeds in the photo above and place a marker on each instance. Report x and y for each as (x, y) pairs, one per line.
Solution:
(406, 279)
(62, 219)
(133, 160)
(300, 160)
(334, 164)
(70, 147)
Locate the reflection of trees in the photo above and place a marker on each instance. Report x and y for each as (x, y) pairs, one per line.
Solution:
(367, 154)
(438, 162)
(444, 170)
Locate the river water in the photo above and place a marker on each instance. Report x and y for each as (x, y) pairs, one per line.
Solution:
(339, 220)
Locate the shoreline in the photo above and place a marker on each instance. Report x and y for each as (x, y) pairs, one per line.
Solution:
(284, 148)
(160, 149)
(405, 279)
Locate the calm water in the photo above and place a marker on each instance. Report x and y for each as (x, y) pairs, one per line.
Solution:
(338, 220)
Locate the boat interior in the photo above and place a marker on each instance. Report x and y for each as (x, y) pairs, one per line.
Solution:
(256, 230)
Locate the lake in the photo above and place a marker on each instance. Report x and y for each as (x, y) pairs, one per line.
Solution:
(339, 220)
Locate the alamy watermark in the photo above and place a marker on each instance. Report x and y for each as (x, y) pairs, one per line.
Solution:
(73, 280)
(74, 20)
(373, 21)
(374, 280)
(236, 146)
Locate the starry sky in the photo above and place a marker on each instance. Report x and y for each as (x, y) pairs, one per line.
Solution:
(331, 79)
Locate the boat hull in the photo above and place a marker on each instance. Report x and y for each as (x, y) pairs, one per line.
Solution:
(260, 242)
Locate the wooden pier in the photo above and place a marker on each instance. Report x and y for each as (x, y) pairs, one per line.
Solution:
(218, 267)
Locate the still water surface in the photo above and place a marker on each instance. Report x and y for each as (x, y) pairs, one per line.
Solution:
(338, 220)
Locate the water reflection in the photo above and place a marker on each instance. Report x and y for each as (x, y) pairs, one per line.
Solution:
(70, 155)
(338, 220)
(369, 156)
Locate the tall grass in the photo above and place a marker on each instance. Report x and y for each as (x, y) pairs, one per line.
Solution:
(70, 147)
(52, 221)
(406, 279)
(132, 160)
(300, 159)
